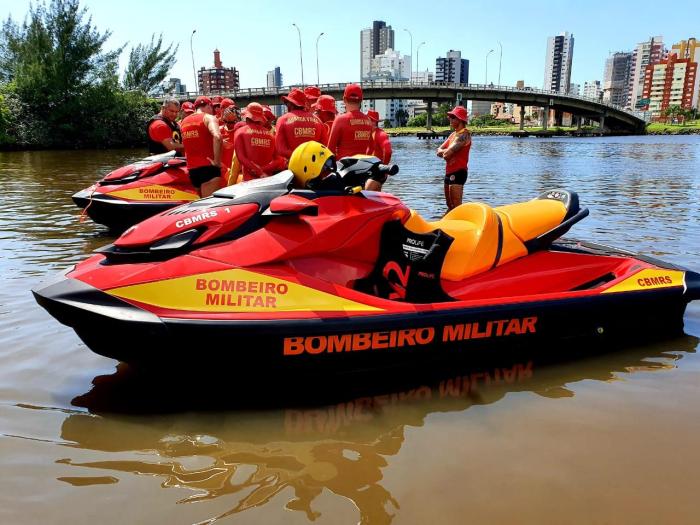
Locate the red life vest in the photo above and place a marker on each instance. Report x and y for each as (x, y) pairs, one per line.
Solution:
(198, 142)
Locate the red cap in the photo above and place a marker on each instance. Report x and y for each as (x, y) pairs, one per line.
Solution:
(312, 93)
(227, 102)
(254, 112)
(325, 103)
(353, 93)
(459, 112)
(216, 100)
(296, 97)
(269, 115)
(187, 107)
(373, 115)
(202, 101)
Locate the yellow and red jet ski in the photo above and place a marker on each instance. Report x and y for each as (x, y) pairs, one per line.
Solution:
(262, 275)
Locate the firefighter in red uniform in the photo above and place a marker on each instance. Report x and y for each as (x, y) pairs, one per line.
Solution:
(163, 132)
(297, 125)
(255, 145)
(325, 111)
(270, 118)
(312, 93)
(351, 133)
(186, 109)
(381, 148)
(229, 118)
(202, 140)
(455, 151)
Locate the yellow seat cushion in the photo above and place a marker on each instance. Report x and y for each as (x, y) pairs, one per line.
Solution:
(474, 228)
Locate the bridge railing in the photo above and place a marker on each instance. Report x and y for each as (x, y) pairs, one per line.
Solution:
(252, 93)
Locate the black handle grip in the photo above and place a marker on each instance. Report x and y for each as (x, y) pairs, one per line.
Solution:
(392, 169)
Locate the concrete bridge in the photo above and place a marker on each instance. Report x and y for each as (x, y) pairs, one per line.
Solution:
(609, 117)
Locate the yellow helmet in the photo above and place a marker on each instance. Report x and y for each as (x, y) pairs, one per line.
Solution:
(310, 161)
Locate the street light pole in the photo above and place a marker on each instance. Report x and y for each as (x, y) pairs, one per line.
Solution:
(486, 76)
(318, 78)
(301, 58)
(194, 70)
(417, 62)
(500, 58)
(409, 34)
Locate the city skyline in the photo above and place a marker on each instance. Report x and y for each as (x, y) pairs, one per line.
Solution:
(254, 49)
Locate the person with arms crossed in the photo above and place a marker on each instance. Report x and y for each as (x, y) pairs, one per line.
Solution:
(455, 152)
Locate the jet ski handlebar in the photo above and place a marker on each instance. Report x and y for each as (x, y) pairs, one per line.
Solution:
(387, 169)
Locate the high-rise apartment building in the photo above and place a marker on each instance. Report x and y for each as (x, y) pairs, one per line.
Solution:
(592, 89)
(671, 82)
(574, 89)
(218, 79)
(616, 79)
(452, 68)
(274, 79)
(651, 51)
(373, 42)
(560, 54)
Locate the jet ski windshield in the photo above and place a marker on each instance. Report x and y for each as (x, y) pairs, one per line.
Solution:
(277, 183)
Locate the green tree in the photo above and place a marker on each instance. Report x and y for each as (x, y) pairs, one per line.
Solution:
(148, 65)
(55, 66)
(418, 120)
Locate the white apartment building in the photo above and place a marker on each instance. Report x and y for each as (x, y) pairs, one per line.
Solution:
(591, 89)
(558, 60)
(651, 51)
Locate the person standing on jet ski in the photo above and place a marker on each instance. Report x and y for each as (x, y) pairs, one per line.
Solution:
(163, 131)
(455, 151)
(202, 140)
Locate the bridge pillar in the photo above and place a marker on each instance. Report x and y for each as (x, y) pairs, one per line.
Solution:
(522, 118)
(545, 117)
(579, 120)
(602, 122)
(429, 118)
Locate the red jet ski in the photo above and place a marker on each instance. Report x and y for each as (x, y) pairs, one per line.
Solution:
(137, 191)
(267, 276)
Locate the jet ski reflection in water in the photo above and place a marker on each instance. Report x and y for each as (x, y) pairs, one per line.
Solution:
(304, 270)
(305, 443)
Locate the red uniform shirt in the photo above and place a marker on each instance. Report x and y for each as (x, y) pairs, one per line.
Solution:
(382, 146)
(459, 160)
(227, 137)
(351, 134)
(198, 142)
(296, 127)
(255, 150)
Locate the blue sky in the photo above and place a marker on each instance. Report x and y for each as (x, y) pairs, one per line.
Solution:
(257, 35)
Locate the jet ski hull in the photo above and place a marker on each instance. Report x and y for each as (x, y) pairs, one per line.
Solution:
(121, 330)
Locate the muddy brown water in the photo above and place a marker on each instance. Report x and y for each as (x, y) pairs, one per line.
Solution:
(609, 438)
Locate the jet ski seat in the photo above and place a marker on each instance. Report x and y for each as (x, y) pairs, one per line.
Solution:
(486, 237)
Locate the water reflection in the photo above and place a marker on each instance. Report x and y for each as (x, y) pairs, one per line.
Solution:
(252, 456)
